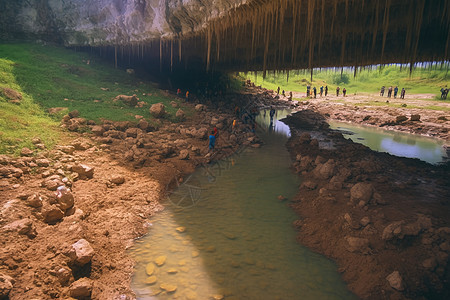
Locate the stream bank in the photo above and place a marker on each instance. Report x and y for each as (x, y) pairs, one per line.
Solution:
(384, 219)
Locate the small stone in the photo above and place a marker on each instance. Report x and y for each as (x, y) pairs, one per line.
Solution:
(150, 268)
(43, 162)
(211, 249)
(63, 275)
(172, 271)
(170, 288)
(81, 252)
(364, 221)
(395, 281)
(160, 260)
(181, 229)
(151, 280)
(415, 118)
(52, 214)
(361, 192)
(281, 198)
(117, 179)
(180, 115)
(184, 155)
(34, 200)
(64, 197)
(82, 288)
(74, 114)
(84, 171)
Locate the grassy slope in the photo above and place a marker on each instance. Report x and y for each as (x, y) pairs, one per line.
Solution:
(422, 80)
(50, 76)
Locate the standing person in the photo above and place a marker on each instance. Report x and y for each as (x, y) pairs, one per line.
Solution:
(315, 92)
(326, 90)
(308, 90)
(402, 94)
(187, 95)
(290, 96)
(283, 94)
(344, 91)
(178, 92)
(278, 90)
(395, 92)
(233, 129)
(321, 91)
(389, 92)
(382, 91)
(337, 91)
(212, 141)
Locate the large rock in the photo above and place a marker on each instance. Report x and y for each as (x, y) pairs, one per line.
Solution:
(393, 230)
(11, 94)
(157, 110)
(128, 100)
(84, 171)
(81, 289)
(98, 130)
(326, 170)
(180, 115)
(6, 285)
(81, 252)
(395, 281)
(35, 200)
(23, 226)
(200, 107)
(361, 192)
(26, 152)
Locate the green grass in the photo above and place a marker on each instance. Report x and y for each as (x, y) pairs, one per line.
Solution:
(421, 80)
(50, 76)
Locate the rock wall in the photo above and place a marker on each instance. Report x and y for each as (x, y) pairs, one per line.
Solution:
(88, 22)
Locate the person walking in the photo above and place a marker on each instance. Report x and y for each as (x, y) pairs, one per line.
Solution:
(382, 91)
(337, 91)
(326, 90)
(321, 91)
(315, 92)
(389, 92)
(395, 92)
(187, 95)
(344, 91)
(402, 93)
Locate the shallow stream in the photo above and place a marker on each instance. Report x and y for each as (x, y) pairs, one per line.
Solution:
(225, 235)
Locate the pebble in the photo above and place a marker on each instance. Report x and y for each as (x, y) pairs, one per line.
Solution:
(168, 287)
(160, 260)
(149, 269)
(151, 280)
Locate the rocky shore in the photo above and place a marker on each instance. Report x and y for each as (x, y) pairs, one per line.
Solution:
(383, 219)
(68, 215)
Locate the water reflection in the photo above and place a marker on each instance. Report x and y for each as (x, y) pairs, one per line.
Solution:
(395, 143)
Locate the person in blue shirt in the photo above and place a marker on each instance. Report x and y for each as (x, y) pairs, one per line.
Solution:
(212, 140)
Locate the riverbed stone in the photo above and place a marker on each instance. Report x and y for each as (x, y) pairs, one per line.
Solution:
(81, 252)
(170, 288)
(160, 260)
(150, 268)
(151, 280)
(82, 288)
(395, 281)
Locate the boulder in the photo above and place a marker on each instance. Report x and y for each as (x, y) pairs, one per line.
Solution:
(128, 100)
(361, 192)
(415, 118)
(81, 252)
(157, 110)
(356, 244)
(84, 172)
(326, 170)
(395, 281)
(6, 285)
(23, 226)
(81, 289)
(180, 115)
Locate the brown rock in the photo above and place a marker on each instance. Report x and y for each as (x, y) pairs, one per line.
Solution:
(361, 192)
(415, 118)
(6, 285)
(200, 107)
(11, 94)
(393, 230)
(26, 152)
(64, 275)
(82, 288)
(43, 162)
(310, 185)
(97, 130)
(395, 281)
(117, 179)
(133, 132)
(84, 171)
(23, 226)
(74, 114)
(157, 110)
(64, 198)
(184, 154)
(143, 125)
(356, 244)
(180, 115)
(401, 119)
(34, 200)
(81, 252)
(52, 214)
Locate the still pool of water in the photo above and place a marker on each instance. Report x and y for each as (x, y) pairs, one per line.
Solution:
(234, 238)
(395, 143)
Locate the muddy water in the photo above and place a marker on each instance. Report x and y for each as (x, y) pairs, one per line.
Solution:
(225, 235)
(395, 143)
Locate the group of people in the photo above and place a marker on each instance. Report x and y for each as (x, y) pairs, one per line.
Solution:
(283, 93)
(444, 93)
(310, 93)
(395, 90)
(179, 94)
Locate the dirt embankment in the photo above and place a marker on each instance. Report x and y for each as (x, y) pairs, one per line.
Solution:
(384, 219)
(74, 244)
